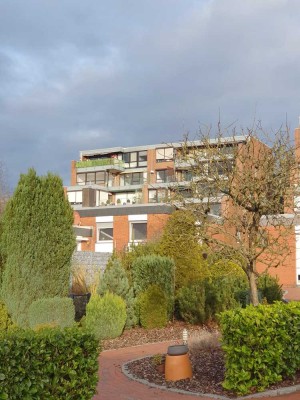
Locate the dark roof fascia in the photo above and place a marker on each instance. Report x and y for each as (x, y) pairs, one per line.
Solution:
(136, 209)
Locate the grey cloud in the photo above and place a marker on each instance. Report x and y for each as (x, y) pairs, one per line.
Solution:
(77, 75)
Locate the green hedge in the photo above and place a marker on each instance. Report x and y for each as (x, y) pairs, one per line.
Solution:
(57, 311)
(153, 308)
(261, 345)
(52, 364)
(154, 270)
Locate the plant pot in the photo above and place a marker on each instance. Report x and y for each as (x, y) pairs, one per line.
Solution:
(80, 302)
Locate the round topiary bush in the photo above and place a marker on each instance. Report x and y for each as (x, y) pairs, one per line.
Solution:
(55, 311)
(153, 308)
(105, 316)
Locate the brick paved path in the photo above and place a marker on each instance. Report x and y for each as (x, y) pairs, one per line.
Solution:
(114, 385)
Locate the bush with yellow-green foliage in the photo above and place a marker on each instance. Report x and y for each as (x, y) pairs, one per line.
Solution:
(180, 241)
(105, 316)
(5, 320)
(153, 308)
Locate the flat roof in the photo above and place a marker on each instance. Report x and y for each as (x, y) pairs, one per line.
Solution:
(119, 149)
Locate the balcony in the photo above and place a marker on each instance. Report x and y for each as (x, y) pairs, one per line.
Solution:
(103, 164)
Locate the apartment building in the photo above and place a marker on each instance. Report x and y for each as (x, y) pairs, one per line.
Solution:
(120, 194)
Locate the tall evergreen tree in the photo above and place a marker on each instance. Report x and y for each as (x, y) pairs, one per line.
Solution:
(38, 242)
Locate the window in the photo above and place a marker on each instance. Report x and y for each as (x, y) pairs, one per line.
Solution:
(80, 179)
(165, 175)
(142, 158)
(135, 178)
(187, 176)
(157, 196)
(220, 167)
(89, 178)
(100, 178)
(75, 197)
(105, 231)
(138, 231)
(135, 159)
(164, 154)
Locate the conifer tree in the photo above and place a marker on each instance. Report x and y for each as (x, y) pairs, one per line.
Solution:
(180, 241)
(115, 281)
(38, 242)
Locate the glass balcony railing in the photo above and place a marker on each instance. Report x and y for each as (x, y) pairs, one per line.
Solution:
(103, 162)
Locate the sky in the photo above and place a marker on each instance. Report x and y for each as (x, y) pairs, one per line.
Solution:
(79, 75)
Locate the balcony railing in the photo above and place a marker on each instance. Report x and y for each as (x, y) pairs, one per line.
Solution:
(103, 162)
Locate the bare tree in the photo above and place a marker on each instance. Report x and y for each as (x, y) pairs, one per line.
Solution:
(253, 186)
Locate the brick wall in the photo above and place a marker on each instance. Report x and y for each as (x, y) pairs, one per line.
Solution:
(156, 223)
(121, 232)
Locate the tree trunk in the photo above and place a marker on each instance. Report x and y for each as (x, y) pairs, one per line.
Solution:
(253, 288)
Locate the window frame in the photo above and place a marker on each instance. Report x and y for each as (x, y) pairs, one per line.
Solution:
(131, 235)
(104, 226)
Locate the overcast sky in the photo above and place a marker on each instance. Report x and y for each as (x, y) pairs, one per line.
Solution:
(77, 75)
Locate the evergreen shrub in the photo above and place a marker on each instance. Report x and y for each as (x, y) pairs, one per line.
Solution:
(153, 308)
(191, 303)
(105, 316)
(49, 364)
(154, 270)
(37, 244)
(220, 295)
(5, 320)
(180, 241)
(261, 345)
(269, 288)
(55, 311)
(115, 281)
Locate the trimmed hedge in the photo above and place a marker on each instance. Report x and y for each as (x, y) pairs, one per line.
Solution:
(154, 270)
(57, 311)
(261, 345)
(47, 365)
(153, 308)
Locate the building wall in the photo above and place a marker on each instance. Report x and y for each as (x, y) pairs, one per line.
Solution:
(283, 266)
(121, 232)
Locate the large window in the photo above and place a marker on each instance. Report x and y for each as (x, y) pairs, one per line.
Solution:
(89, 178)
(164, 154)
(157, 195)
(105, 231)
(75, 197)
(220, 167)
(135, 159)
(138, 231)
(184, 176)
(135, 178)
(165, 175)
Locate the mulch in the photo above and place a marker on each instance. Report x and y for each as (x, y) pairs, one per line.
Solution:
(208, 365)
